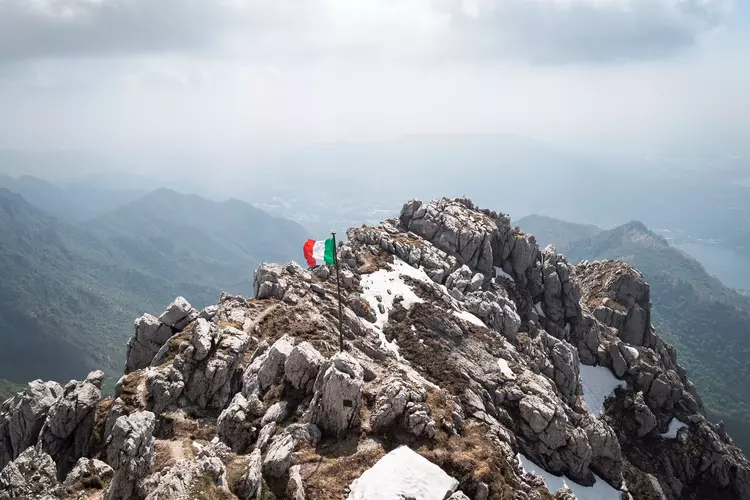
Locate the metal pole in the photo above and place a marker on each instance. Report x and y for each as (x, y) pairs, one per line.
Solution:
(338, 287)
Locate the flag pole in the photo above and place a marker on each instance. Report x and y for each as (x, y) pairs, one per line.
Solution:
(338, 287)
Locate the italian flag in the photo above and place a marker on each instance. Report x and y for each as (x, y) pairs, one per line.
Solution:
(319, 252)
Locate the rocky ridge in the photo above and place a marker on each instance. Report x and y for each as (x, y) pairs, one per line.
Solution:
(464, 342)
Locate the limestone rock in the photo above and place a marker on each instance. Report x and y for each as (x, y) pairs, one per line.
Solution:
(279, 455)
(150, 335)
(22, 418)
(273, 366)
(295, 490)
(88, 470)
(268, 282)
(235, 426)
(31, 475)
(178, 314)
(66, 433)
(302, 365)
(131, 453)
(338, 395)
(252, 479)
(202, 477)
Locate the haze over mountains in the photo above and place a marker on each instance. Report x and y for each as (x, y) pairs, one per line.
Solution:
(708, 322)
(69, 292)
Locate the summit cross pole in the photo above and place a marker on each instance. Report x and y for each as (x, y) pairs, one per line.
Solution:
(338, 287)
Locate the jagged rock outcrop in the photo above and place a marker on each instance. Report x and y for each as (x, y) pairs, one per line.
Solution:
(463, 340)
(22, 418)
(32, 475)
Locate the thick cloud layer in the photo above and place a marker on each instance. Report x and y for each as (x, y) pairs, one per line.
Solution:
(538, 30)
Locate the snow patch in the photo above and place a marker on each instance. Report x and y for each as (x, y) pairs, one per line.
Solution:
(505, 369)
(600, 490)
(539, 310)
(467, 316)
(598, 383)
(674, 427)
(502, 274)
(387, 284)
(402, 474)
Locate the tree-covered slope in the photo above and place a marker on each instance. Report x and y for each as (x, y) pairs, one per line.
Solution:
(68, 294)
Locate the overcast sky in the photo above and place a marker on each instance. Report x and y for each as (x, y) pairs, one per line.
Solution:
(210, 75)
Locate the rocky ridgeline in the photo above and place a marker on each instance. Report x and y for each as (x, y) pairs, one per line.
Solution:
(464, 341)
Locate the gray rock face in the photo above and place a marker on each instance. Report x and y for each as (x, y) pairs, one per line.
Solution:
(31, 475)
(150, 335)
(398, 402)
(131, 453)
(279, 455)
(66, 433)
(273, 366)
(544, 420)
(265, 435)
(252, 480)
(207, 380)
(234, 425)
(22, 418)
(268, 282)
(302, 365)
(276, 413)
(89, 468)
(338, 395)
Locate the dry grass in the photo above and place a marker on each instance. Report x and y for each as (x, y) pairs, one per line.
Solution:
(326, 478)
(472, 458)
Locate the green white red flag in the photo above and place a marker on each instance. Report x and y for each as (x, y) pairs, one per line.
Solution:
(319, 252)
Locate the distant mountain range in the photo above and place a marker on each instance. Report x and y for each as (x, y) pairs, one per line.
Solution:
(707, 321)
(68, 291)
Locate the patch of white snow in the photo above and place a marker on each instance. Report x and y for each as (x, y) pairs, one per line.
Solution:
(502, 274)
(600, 490)
(674, 427)
(467, 316)
(379, 284)
(539, 310)
(403, 474)
(505, 369)
(598, 383)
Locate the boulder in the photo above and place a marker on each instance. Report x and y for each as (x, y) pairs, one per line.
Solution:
(252, 479)
(273, 366)
(131, 453)
(178, 314)
(90, 471)
(295, 489)
(150, 335)
(202, 477)
(338, 395)
(279, 455)
(234, 425)
(302, 365)
(268, 282)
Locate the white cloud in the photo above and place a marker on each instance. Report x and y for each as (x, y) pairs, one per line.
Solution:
(540, 30)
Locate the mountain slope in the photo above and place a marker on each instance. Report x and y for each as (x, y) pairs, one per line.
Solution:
(548, 230)
(708, 322)
(187, 237)
(68, 293)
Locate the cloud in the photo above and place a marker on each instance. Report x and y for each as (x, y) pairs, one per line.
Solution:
(537, 30)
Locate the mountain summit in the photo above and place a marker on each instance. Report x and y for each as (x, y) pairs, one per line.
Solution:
(475, 366)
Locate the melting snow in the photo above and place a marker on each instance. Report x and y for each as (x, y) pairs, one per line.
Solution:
(505, 369)
(402, 474)
(502, 274)
(674, 427)
(539, 310)
(379, 284)
(600, 490)
(466, 315)
(598, 383)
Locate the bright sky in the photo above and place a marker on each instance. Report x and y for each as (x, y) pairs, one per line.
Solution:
(142, 75)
